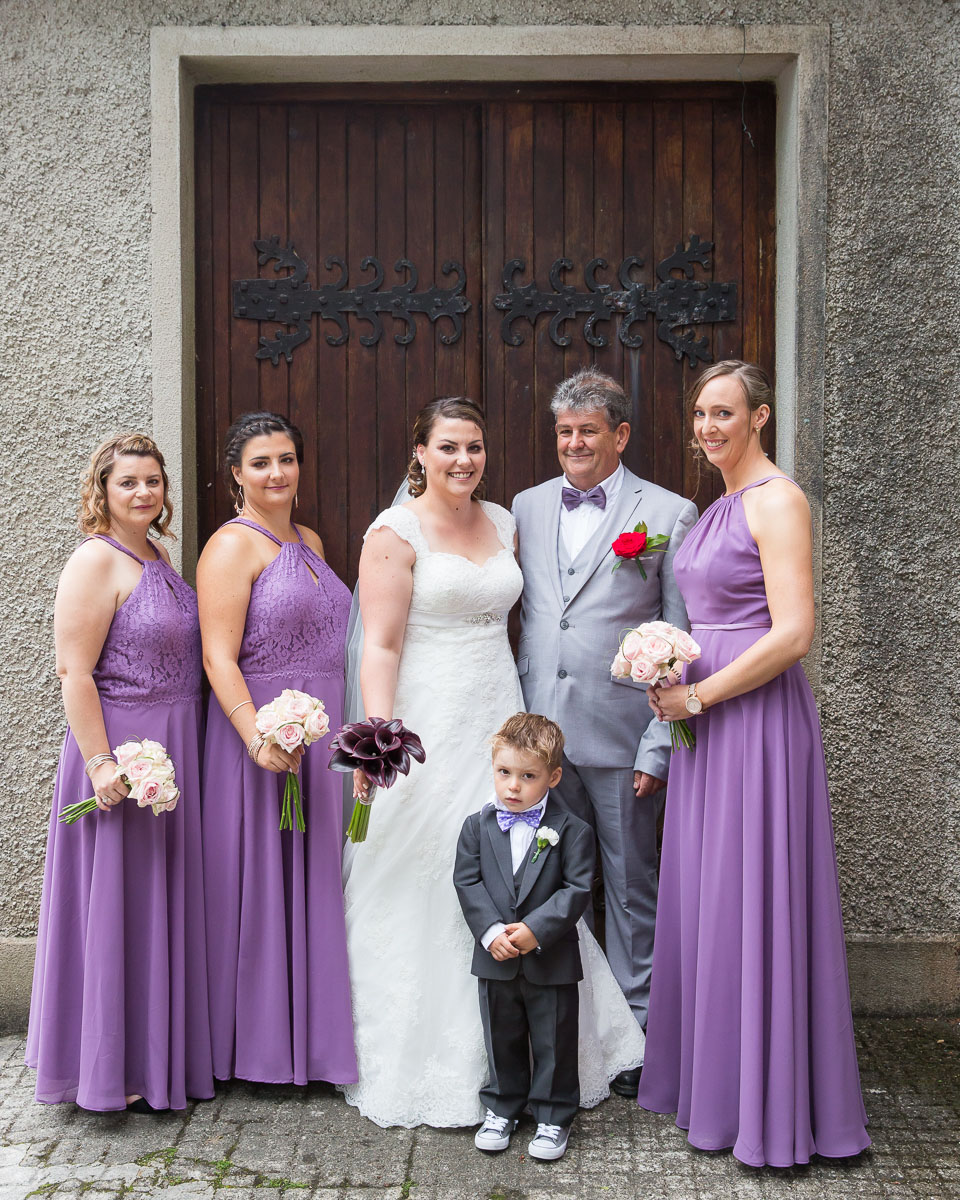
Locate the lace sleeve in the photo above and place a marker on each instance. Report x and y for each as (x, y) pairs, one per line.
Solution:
(404, 524)
(503, 522)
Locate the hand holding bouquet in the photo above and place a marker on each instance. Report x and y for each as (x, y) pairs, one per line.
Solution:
(380, 750)
(294, 719)
(145, 767)
(649, 654)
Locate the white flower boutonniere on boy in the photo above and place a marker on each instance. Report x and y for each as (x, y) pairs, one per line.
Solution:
(545, 837)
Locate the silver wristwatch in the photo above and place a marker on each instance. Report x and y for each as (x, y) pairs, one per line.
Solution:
(693, 702)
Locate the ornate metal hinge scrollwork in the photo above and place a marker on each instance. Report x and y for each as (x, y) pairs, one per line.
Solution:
(676, 303)
(288, 301)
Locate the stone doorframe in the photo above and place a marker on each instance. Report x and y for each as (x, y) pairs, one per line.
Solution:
(794, 57)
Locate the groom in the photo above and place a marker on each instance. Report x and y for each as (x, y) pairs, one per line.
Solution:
(574, 609)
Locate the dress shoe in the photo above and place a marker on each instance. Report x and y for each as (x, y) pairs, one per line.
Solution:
(627, 1083)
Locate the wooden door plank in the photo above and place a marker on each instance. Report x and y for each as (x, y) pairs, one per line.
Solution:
(494, 255)
(421, 354)
(472, 338)
(272, 171)
(608, 170)
(205, 382)
(638, 209)
(448, 207)
(333, 465)
(244, 229)
(578, 204)
(303, 371)
(547, 246)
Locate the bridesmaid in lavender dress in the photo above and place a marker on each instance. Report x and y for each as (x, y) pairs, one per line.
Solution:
(118, 1015)
(273, 616)
(750, 1037)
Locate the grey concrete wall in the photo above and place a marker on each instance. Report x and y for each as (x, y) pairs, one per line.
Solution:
(75, 364)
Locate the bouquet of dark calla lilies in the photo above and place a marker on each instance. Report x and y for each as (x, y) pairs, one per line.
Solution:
(381, 750)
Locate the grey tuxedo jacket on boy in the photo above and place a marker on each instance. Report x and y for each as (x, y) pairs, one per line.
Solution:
(550, 897)
(573, 613)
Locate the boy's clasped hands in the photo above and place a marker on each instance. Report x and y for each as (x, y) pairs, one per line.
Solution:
(516, 939)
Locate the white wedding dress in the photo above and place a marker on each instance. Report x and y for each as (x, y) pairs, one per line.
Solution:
(415, 1008)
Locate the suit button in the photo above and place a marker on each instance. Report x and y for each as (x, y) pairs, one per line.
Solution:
(561, 674)
(566, 599)
(571, 571)
(564, 624)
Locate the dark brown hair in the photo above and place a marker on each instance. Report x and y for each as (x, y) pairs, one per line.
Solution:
(94, 512)
(453, 408)
(250, 425)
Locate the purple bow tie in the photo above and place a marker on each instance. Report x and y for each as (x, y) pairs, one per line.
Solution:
(573, 499)
(529, 816)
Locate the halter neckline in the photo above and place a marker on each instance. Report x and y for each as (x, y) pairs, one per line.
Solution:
(266, 532)
(103, 537)
(757, 483)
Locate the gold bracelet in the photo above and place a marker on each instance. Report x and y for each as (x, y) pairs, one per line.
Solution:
(236, 706)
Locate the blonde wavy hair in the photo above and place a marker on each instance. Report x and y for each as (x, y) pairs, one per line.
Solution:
(94, 513)
(533, 734)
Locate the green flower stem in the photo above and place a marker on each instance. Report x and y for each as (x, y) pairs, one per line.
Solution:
(681, 735)
(360, 819)
(291, 805)
(73, 812)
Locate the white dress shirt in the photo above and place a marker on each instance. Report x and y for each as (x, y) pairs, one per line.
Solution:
(577, 525)
(521, 835)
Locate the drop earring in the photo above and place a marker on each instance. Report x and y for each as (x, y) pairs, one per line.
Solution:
(238, 503)
(296, 500)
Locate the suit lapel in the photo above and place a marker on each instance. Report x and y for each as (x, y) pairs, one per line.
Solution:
(550, 532)
(618, 518)
(501, 846)
(558, 818)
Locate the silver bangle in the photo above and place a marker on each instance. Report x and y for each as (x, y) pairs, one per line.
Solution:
(236, 706)
(92, 763)
(254, 746)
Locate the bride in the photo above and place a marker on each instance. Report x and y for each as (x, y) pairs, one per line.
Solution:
(438, 577)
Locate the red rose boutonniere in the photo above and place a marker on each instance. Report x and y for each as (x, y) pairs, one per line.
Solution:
(632, 544)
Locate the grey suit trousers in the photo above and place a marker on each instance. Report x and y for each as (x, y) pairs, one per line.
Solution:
(626, 829)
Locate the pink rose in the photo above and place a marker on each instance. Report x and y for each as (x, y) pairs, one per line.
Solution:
(316, 724)
(656, 648)
(290, 736)
(138, 770)
(620, 667)
(268, 719)
(149, 792)
(299, 705)
(661, 628)
(126, 753)
(630, 647)
(685, 647)
(168, 799)
(643, 671)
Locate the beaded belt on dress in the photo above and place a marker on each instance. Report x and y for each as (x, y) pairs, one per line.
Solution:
(451, 620)
(734, 625)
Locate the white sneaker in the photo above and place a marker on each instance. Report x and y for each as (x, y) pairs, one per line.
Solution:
(550, 1142)
(494, 1133)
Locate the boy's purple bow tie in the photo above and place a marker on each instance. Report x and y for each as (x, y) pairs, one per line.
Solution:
(529, 816)
(573, 499)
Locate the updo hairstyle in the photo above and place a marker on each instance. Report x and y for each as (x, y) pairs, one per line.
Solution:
(93, 515)
(250, 425)
(453, 408)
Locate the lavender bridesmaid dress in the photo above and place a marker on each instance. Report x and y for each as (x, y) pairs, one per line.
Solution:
(119, 1004)
(276, 947)
(750, 1037)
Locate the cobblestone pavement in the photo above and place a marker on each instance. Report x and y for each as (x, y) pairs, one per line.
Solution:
(254, 1142)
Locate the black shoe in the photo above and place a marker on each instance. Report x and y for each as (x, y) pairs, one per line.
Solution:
(627, 1083)
(144, 1107)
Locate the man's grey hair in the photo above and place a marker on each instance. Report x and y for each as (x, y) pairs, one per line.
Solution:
(590, 390)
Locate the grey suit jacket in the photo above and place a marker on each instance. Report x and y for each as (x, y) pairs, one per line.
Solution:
(552, 896)
(570, 627)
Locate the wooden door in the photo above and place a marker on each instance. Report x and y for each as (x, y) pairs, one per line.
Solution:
(479, 176)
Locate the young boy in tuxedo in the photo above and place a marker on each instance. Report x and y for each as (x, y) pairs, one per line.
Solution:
(523, 873)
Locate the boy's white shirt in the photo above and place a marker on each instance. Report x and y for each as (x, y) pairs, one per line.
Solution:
(521, 835)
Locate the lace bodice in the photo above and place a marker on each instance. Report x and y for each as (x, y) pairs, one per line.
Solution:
(152, 649)
(297, 616)
(447, 584)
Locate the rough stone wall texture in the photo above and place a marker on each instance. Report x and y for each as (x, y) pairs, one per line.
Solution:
(75, 364)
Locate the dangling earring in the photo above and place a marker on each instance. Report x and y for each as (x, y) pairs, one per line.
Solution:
(238, 503)
(296, 500)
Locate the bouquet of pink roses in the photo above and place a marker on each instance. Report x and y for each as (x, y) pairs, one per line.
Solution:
(650, 653)
(293, 719)
(146, 769)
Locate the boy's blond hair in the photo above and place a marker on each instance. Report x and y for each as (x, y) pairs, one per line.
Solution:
(533, 734)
